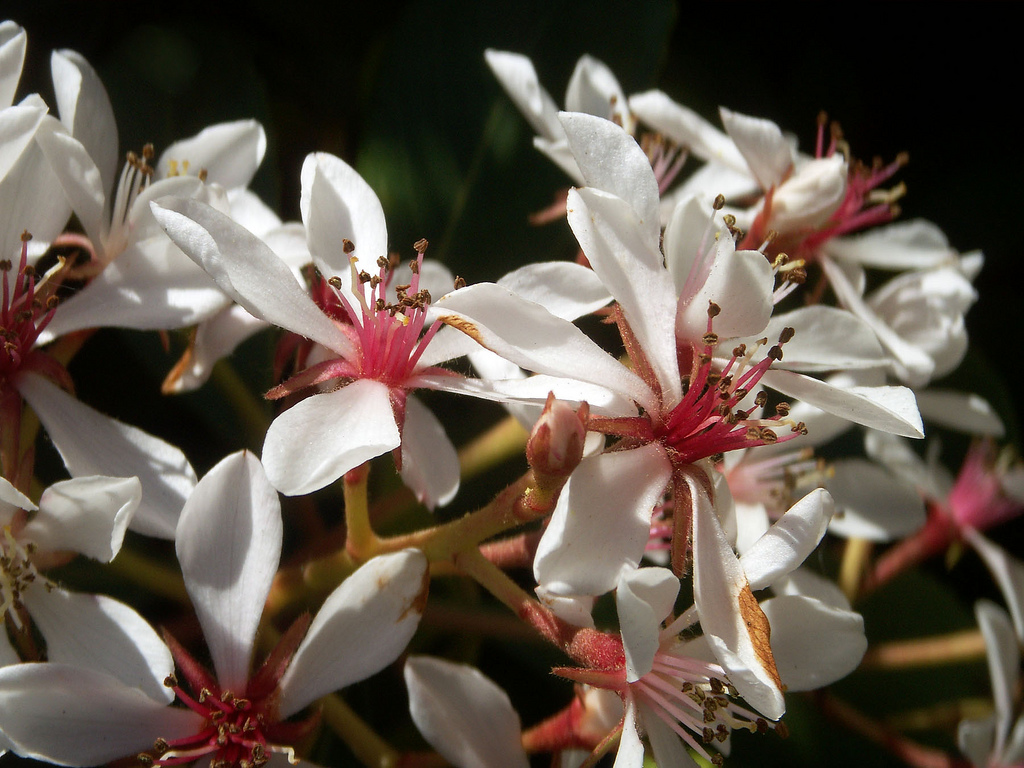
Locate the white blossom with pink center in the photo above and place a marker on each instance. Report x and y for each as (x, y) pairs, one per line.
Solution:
(229, 546)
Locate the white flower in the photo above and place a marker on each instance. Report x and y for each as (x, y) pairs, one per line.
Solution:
(229, 545)
(139, 279)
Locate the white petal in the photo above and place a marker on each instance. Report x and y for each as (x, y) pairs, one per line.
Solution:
(12, 59)
(1008, 572)
(889, 409)
(826, 339)
(337, 204)
(668, 748)
(732, 621)
(612, 162)
(517, 76)
(228, 153)
(85, 109)
(533, 338)
(18, 126)
(789, 541)
(762, 145)
(430, 463)
(962, 411)
(807, 583)
(229, 546)
(631, 749)
(81, 717)
(564, 289)
(93, 444)
(872, 503)
(87, 514)
(10, 495)
(602, 521)
(100, 633)
(321, 438)
(81, 181)
(687, 128)
(976, 739)
(577, 610)
(361, 628)
(916, 244)
(463, 715)
(247, 270)
(643, 597)
(594, 90)
(740, 283)
(814, 644)
(1003, 663)
(610, 236)
(151, 286)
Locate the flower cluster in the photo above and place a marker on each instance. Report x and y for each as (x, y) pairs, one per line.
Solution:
(706, 474)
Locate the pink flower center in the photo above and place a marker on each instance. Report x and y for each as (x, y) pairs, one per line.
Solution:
(24, 313)
(708, 420)
(388, 336)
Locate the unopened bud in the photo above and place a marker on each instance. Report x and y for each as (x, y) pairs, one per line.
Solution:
(555, 446)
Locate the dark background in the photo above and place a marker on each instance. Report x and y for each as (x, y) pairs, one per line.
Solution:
(401, 91)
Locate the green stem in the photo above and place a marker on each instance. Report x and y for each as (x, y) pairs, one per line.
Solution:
(368, 746)
(154, 576)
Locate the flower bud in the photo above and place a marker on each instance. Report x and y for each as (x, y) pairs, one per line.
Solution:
(810, 195)
(555, 446)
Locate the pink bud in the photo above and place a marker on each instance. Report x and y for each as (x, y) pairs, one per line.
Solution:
(555, 446)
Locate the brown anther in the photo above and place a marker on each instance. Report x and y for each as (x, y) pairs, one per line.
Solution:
(459, 283)
(148, 153)
(143, 758)
(29, 271)
(204, 694)
(402, 288)
(717, 685)
(414, 266)
(6, 265)
(719, 203)
(379, 305)
(420, 245)
(722, 733)
(740, 393)
(52, 302)
(705, 359)
(753, 433)
(782, 729)
(25, 236)
(241, 704)
(717, 760)
(729, 220)
(761, 399)
(424, 296)
(782, 409)
(713, 379)
(202, 175)
(762, 725)
(364, 277)
(347, 245)
(708, 735)
(170, 681)
(375, 281)
(823, 118)
(713, 309)
(769, 436)
(382, 262)
(160, 746)
(775, 353)
(710, 339)
(786, 335)
(798, 276)
(334, 282)
(771, 235)
(800, 427)
(739, 351)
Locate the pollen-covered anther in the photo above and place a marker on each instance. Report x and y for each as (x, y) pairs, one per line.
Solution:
(719, 203)
(420, 246)
(347, 246)
(459, 283)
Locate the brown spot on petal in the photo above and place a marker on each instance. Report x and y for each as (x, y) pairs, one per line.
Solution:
(419, 602)
(760, 632)
(460, 324)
